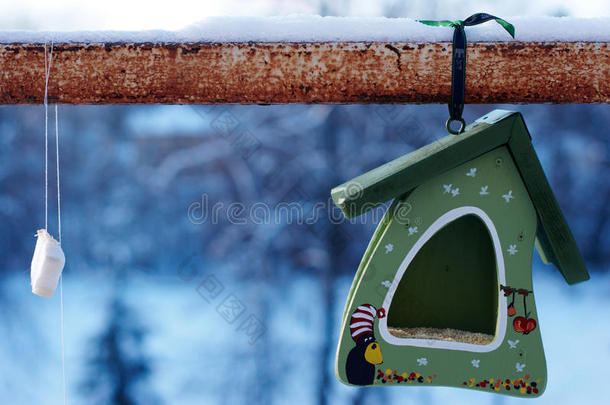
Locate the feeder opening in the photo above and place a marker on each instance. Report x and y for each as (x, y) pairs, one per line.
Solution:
(449, 291)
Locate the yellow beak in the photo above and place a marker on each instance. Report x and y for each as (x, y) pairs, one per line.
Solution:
(372, 354)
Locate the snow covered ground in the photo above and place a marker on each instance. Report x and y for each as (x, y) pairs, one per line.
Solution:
(312, 28)
(196, 354)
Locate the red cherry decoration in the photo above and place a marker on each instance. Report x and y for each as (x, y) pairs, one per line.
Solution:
(530, 326)
(519, 324)
(512, 311)
(524, 325)
(381, 313)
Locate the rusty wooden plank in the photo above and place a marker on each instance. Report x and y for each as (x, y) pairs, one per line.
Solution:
(328, 72)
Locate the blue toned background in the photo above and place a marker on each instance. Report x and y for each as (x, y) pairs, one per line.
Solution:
(185, 282)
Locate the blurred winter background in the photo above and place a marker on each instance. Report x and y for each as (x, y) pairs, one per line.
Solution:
(166, 306)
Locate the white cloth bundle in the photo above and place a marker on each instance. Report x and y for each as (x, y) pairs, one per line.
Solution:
(47, 264)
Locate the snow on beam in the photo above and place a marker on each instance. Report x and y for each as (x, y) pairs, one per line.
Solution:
(304, 72)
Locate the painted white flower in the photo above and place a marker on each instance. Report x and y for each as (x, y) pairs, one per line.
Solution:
(472, 172)
(519, 367)
(484, 190)
(412, 230)
(388, 248)
(475, 363)
(512, 249)
(508, 196)
(513, 343)
(422, 361)
(447, 188)
(455, 191)
(386, 283)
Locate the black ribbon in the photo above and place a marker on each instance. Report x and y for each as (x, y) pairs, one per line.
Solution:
(458, 77)
(458, 65)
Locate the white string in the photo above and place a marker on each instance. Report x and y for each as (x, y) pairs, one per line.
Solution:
(61, 278)
(58, 192)
(47, 69)
(46, 205)
(46, 136)
(63, 351)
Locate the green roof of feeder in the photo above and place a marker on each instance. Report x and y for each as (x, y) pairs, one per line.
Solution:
(554, 240)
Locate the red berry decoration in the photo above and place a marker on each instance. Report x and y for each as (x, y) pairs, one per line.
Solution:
(381, 313)
(524, 325)
(512, 311)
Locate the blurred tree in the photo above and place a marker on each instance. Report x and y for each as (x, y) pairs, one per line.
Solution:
(118, 367)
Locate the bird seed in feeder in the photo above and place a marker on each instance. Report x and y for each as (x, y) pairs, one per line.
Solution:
(447, 334)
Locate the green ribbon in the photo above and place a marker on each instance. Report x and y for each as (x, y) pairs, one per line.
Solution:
(474, 19)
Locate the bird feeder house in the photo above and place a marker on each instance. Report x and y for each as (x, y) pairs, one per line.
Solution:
(443, 295)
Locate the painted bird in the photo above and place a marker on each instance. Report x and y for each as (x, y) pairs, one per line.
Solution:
(361, 360)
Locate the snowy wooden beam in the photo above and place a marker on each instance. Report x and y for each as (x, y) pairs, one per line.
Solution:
(341, 61)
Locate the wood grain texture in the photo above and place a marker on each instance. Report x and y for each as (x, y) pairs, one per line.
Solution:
(332, 72)
(554, 235)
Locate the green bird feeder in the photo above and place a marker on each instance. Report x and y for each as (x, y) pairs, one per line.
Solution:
(443, 295)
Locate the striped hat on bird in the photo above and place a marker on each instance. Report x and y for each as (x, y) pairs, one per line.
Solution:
(362, 320)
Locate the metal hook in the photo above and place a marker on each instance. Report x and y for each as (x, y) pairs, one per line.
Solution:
(462, 126)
